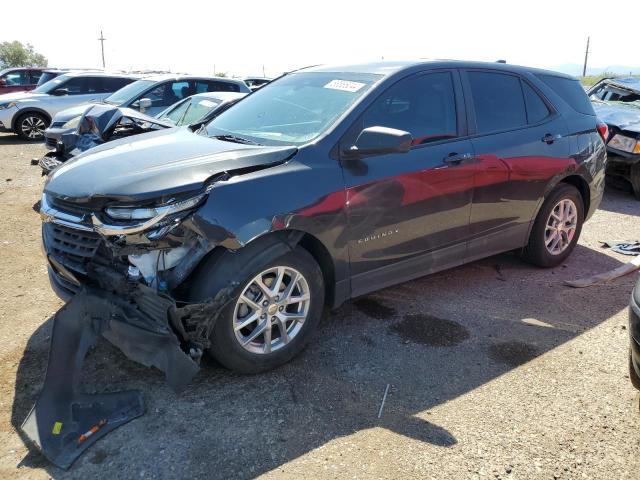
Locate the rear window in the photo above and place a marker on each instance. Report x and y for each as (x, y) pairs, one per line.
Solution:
(571, 92)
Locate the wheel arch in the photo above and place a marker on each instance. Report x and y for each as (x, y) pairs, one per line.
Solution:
(573, 179)
(273, 244)
(24, 111)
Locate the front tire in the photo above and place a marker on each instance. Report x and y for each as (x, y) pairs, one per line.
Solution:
(557, 228)
(272, 315)
(31, 126)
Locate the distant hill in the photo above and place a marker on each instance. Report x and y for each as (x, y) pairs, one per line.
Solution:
(576, 70)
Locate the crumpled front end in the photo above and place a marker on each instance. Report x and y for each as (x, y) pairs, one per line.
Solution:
(119, 281)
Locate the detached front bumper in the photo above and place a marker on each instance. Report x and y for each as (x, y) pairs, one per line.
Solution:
(103, 300)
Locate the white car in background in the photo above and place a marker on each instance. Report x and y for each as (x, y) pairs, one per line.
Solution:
(28, 114)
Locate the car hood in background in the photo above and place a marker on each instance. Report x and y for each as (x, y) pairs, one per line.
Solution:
(73, 112)
(21, 96)
(624, 117)
(155, 164)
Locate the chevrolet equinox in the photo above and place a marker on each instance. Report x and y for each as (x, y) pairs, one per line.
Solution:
(326, 184)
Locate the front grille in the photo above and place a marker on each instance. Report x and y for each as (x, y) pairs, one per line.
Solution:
(69, 207)
(72, 248)
(50, 142)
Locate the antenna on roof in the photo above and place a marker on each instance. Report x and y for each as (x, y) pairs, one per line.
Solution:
(501, 61)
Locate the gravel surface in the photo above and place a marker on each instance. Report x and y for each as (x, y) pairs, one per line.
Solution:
(495, 369)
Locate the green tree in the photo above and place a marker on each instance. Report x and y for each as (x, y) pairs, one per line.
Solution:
(15, 54)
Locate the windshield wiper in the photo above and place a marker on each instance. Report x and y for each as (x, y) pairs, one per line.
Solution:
(234, 139)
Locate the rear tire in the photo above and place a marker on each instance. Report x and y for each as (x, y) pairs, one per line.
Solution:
(227, 337)
(552, 239)
(31, 126)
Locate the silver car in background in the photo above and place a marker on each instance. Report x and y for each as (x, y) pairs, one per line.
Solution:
(28, 114)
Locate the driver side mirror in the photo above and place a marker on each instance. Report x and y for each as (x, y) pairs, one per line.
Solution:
(144, 103)
(380, 141)
(3, 82)
(60, 92)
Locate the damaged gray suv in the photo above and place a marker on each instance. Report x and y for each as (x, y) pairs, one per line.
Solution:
(324, 185)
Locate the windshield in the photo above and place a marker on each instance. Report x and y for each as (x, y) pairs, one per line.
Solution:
(611, 93)
(294, 109)
(51, 84)
(190, 110)
(130, 92)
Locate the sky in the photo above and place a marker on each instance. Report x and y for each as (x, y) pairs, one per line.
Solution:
(249, 37)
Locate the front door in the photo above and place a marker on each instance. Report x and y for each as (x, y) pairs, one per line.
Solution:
(409, 212)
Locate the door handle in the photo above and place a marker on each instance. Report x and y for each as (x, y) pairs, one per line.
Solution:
(458, 158)
(549, 139)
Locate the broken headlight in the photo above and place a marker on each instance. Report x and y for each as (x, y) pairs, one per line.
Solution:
(131, 213)
(624, 143)
(73, 123)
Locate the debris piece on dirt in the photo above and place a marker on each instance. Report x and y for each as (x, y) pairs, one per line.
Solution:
(627, 247)
(384, 399)
(606, 276)
(35, 160)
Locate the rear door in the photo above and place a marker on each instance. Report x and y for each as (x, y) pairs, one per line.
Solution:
(409, 212)
(520, 144)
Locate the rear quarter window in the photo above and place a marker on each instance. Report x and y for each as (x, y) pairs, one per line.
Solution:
(571, 92)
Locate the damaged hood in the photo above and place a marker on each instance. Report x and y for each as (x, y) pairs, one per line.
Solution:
(73, 112)
(624, 117)
(155, 164)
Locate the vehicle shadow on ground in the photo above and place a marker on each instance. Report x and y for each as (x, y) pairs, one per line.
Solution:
(11, 139)
(619, 198)
(432, 340)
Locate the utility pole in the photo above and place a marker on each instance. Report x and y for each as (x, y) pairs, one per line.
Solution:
(102, 39)
(586, 55)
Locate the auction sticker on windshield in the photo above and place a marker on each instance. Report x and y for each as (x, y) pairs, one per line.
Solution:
(345, 85)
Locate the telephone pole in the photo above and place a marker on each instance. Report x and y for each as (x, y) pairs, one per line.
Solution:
(586, 55)
(102, 39)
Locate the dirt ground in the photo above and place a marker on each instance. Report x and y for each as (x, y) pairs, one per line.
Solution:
(496, 370)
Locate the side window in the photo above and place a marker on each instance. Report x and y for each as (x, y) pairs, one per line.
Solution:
(571, 91)
(182, 89)
(113, 84)
(15, 79)
(498, 101)
(424, 106)
(537, 110)
(35, 76)
(213, 86)
(168, 93)
(82, 85)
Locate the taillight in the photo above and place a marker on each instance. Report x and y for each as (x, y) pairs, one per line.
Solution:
(603, 130)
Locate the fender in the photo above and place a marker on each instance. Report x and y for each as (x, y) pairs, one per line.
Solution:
(21, 112)
(233, 216)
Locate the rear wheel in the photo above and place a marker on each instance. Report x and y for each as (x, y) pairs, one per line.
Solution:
(31, 126)
(557, 227)
(273, 314)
